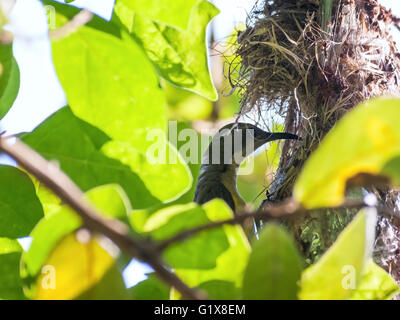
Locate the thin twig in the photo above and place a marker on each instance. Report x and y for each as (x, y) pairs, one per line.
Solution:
(59, 183)
(82, 18)
(6, 37)
(287, 208)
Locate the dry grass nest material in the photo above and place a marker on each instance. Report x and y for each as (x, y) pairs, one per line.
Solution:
(294, 68)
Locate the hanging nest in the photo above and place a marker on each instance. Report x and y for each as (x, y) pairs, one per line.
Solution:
(310, 69)
(294, 67)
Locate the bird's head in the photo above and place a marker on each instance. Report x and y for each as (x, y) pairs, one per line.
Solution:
(235, 141)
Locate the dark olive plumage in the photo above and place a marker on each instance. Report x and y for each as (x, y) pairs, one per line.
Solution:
(221, 161)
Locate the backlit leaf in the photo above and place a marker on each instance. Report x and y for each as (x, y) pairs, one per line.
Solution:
(168, 47)
(337, 273)
(361, 143)
(10, 281)
(230, 265)
(150, 289)
(74, 267)
(375, 284)
(175, 13)
(76, 146)
(120, 94)
(9, 78)
(274, 267)
(109, 199)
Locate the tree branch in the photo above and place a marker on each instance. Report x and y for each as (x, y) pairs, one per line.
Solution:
(59, 183)
(288, 208)
(78, 21)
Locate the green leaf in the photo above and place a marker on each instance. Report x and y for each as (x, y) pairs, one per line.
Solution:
(175, 13)
(200, 251)
(168, 47)
(336, 274)
(360, 144)
(375, 284)
(48, 232)
(131, 106)
(326, 13)
(9, 246)
(76, 266)
(392, 169)
(230, 265)
(76, 146)
(219, 254)
(127, 89)
(10, 281)
(109, 199)
(220, 290)
(155, 173)
(20, 208)
(9, 79)
(110, 84)
(274, 267)
(110, 287)
(150, 289)
(184, 105)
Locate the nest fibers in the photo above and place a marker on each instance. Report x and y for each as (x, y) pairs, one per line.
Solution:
(292, 66)
(311, 75)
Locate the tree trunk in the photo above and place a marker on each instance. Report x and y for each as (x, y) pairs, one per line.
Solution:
(310, 61)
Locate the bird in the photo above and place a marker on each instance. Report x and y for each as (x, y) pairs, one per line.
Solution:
(222, 159)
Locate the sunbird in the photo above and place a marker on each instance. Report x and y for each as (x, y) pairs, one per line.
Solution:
(222, 159)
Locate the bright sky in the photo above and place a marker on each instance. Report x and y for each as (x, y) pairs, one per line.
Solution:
(40, 93)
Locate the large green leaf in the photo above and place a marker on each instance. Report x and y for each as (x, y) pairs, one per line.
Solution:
(54, 243)
(119, 94)
(230, 265)
(184, 105)
(220, 290)
(337, 273)
(157, 174)
(20, 208)
(9, 246)
(150, 289)
(392, 169)
(110, 84)
(110, 199)
(49, 231)
(9, 79)
(200, 251)
(10, 281)
(219, 255)
(168, 47)
(274, 267)
(375, 284)
(79, 267)
(360, 144)
(76, 146)
(175, 13)
(110, 287)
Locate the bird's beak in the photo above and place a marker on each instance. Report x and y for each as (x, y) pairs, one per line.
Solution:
(265, 137)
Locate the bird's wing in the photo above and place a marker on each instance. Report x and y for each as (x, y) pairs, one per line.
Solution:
(210, 192)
